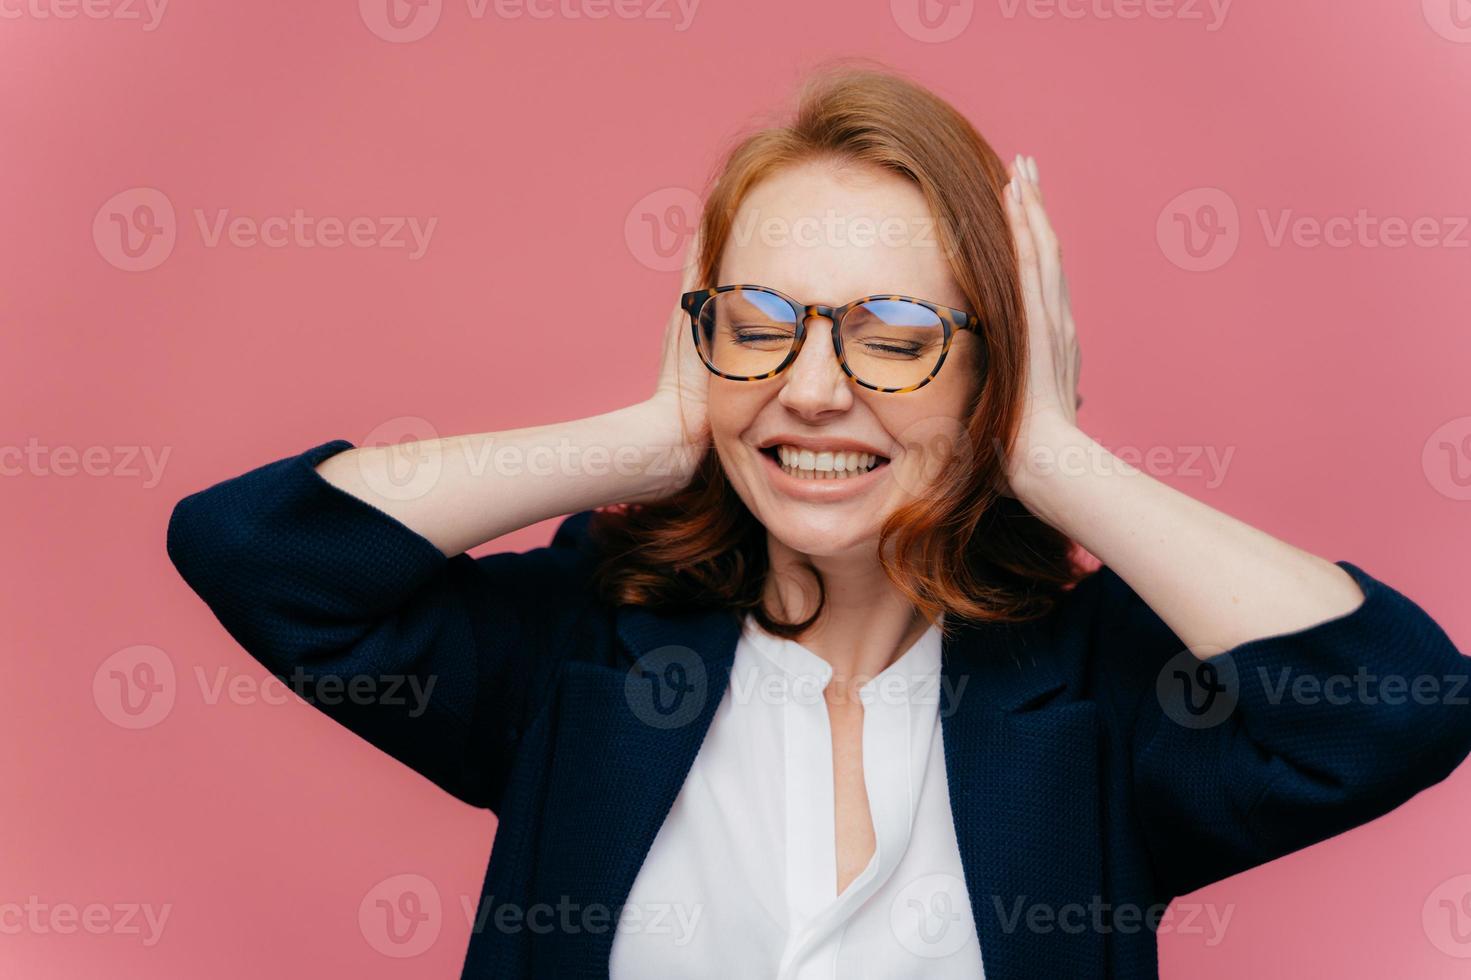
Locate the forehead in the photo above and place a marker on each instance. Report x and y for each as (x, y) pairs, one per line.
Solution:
(824, 232)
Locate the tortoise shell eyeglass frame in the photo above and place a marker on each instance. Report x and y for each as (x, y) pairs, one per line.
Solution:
(951, 320)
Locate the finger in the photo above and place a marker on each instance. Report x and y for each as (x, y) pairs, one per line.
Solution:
(692, 263)
(1026, 256)
(1030, 261)
(690, 281)
(1049, 259)
(1036, 214)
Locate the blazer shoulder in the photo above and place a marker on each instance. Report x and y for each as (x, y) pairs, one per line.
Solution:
(573, 532)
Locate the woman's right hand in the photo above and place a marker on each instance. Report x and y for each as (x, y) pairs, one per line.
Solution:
(680, 401)
(471, 489)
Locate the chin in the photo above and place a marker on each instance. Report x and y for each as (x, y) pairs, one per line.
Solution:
(822, 530)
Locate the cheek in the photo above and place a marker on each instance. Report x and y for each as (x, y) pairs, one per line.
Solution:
(912, 420)
(732, 408)
(929, 428)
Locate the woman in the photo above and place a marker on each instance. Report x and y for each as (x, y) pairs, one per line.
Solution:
(829, 694)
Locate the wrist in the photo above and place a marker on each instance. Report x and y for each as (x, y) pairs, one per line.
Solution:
(660, 436)
(1049, 459)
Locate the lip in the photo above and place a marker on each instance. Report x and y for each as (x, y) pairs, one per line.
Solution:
(821, 491)
(818, 445)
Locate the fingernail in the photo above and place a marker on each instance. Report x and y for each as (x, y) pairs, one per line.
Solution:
(1016, 189)
(1032, 166)
(1019, 167)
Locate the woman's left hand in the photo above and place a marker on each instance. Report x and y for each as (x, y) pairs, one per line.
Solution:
(1054, 359)
(1215, 582)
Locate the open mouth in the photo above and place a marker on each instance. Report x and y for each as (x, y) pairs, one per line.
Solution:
(808, 464)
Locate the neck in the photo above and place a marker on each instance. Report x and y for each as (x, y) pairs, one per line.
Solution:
(866, 622)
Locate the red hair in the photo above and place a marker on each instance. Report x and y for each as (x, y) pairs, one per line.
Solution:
(962, 548)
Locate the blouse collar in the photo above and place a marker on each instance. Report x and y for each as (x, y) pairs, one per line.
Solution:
(916, 670)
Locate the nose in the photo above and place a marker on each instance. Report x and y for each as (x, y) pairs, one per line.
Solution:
(814, 384)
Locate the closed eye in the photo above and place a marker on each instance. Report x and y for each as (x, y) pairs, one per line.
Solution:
(892, 349)
(754, 336)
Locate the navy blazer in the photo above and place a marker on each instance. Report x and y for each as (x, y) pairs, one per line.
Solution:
(1089, 769)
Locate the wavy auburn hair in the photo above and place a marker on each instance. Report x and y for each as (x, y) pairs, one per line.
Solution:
(963, 548)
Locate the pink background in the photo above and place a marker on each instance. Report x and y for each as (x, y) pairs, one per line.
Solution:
(1335, 376)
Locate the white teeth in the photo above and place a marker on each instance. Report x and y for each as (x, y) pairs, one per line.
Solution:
(825, 464)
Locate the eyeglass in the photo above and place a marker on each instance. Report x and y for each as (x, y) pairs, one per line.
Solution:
(886, 343)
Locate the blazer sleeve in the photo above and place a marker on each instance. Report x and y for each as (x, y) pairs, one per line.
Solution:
(438, 661)
(1321, 729)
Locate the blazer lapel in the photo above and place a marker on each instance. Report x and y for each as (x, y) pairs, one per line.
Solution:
(1021, 763)
(1022, 769)
(626, 738)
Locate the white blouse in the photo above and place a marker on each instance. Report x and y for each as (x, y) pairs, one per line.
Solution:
(741, 880)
